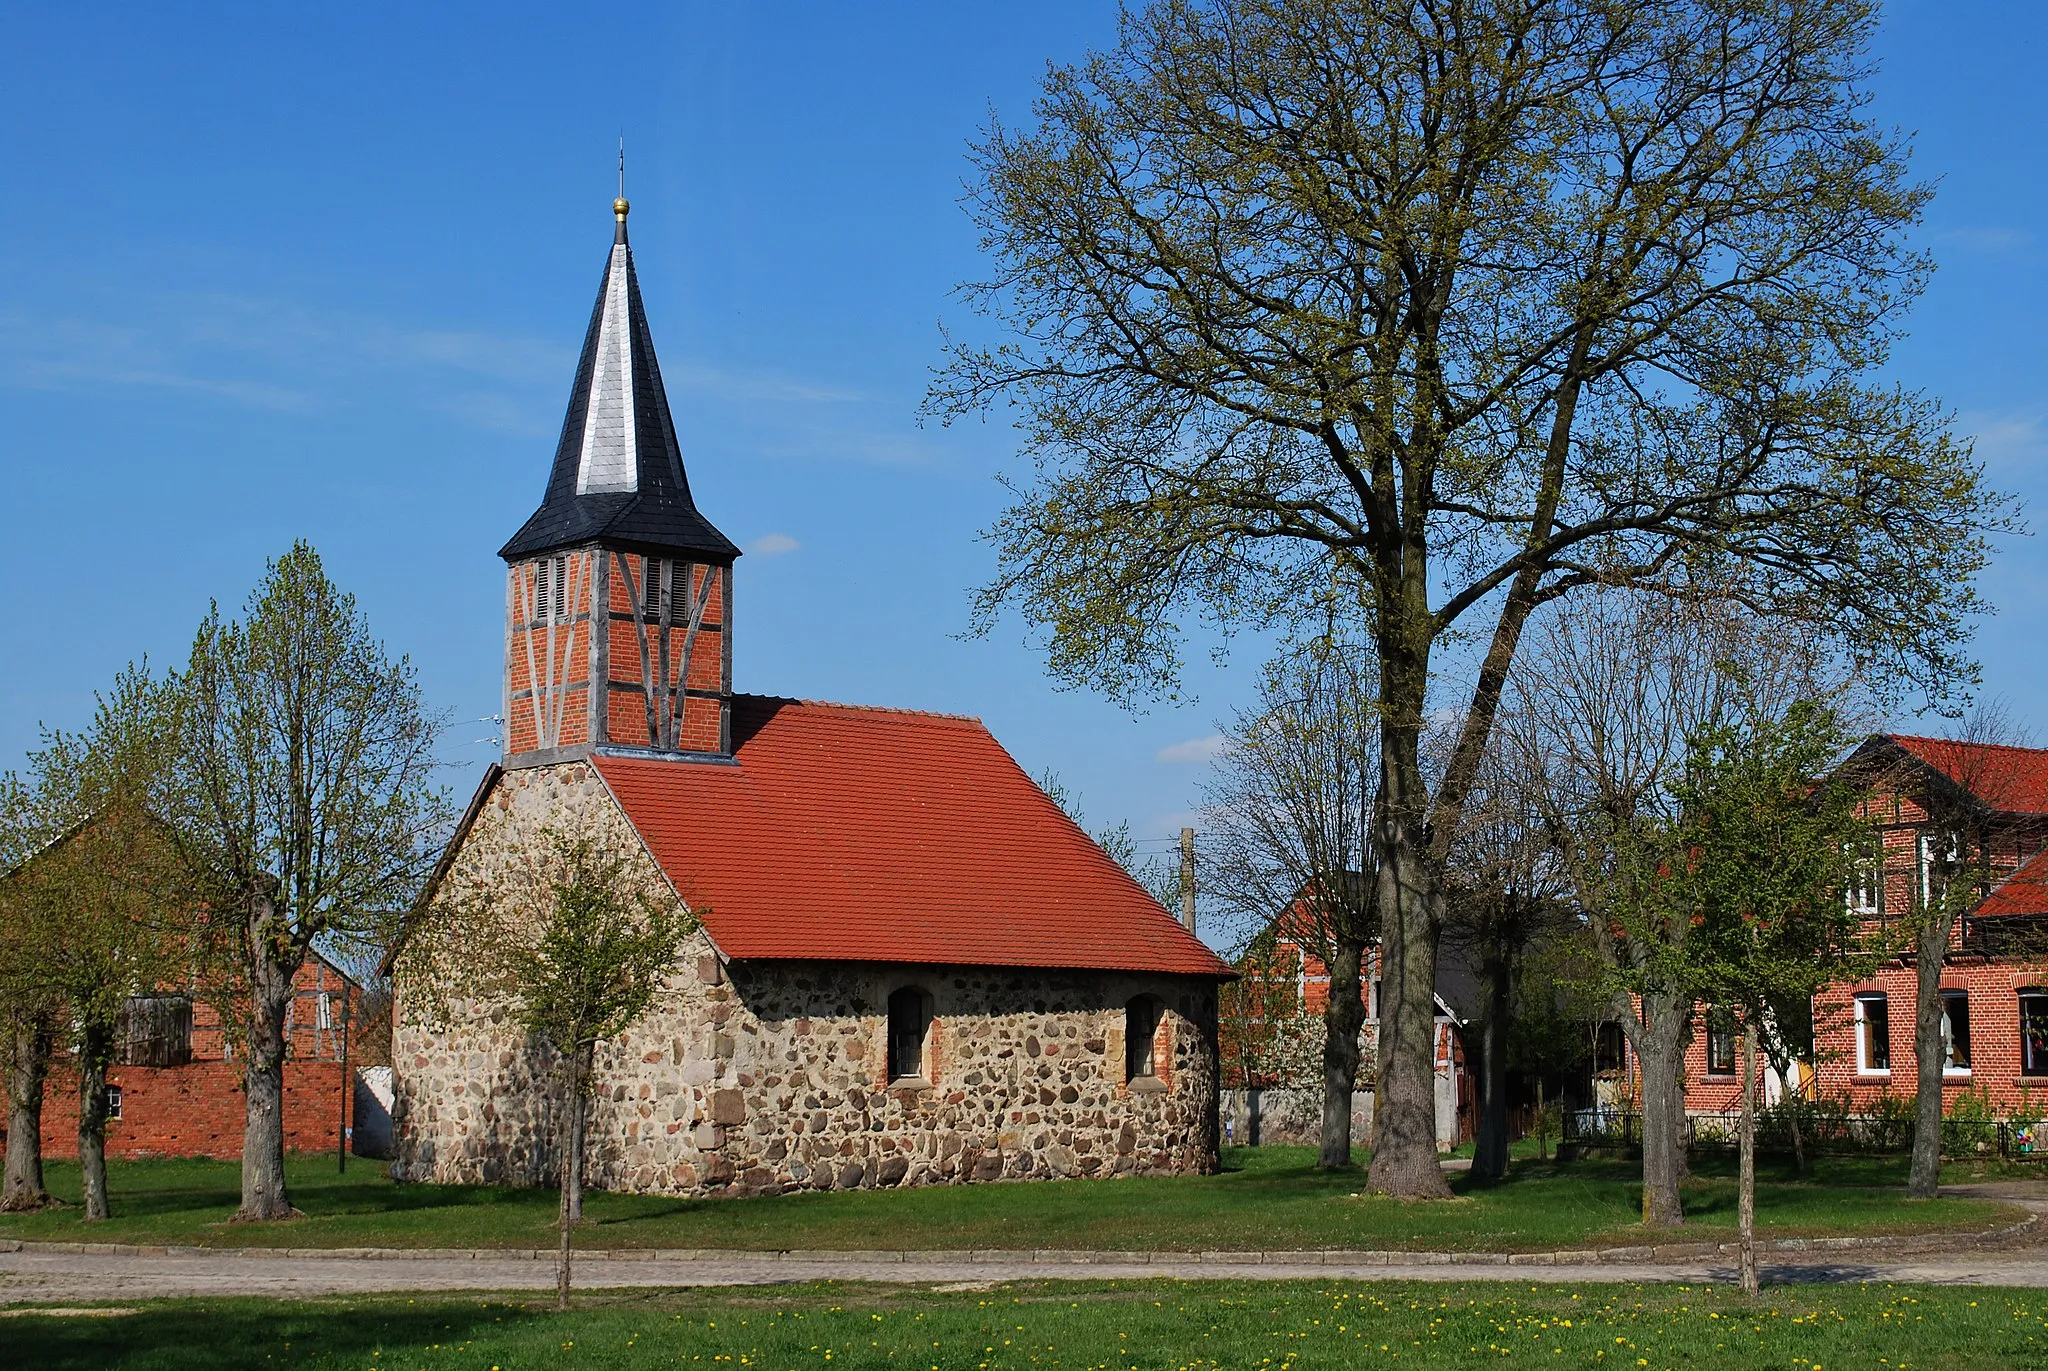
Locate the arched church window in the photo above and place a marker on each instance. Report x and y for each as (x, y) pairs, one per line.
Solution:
(910, 1025)
(1142, 1017)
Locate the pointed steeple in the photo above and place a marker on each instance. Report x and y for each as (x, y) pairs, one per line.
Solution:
(618, 473)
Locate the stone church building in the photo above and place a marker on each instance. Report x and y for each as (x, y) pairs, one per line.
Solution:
(913, 968)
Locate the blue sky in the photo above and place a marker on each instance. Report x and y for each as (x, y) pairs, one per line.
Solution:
(281, 271)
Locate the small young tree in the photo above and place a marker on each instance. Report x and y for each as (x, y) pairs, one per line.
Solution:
(303, 808)
(577, 939)
(1290, 820)
(1770, 854)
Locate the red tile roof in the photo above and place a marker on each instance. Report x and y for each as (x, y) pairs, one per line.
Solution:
(881, 835)
(2013, 780)
(2023, 892)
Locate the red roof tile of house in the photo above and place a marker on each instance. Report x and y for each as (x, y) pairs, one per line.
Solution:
(880, 835)
(2013, 780)
(2023, 892)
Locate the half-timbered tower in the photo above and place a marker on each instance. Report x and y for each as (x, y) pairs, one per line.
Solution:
(618, 593)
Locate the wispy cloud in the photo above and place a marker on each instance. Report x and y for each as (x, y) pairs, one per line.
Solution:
(279, 355)
(1194, 750)
(1985, 239)
(773, 545)
(728, 384)
(2007, 435)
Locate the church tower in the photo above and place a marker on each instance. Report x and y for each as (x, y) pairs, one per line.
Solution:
(618, 593)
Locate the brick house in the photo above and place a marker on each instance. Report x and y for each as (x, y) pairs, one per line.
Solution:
(1939, 807)
(912, 967)
(1303, 979)
(175, 1088)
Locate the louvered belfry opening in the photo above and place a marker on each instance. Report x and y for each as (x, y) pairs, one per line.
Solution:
(618, 591)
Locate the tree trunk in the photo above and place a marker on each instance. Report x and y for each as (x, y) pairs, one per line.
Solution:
(579, 1105)
(1404, 1159)
(28, 1063)
(1745, 1183)
(95, 1050)
(571, 1173)
(1660, 1049)
(1930, 950)
(264, 1195)
(562, 1250)
(1343, 1016)
(1490, 1141)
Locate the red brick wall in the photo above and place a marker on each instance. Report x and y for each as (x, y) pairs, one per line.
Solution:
(1994, 1007)
(1992, 986)
(195, 1110)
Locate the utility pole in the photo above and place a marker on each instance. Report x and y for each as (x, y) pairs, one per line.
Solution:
(1187, 878)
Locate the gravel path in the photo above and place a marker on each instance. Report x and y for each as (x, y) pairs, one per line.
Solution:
(38, 1274)
(72, 1277)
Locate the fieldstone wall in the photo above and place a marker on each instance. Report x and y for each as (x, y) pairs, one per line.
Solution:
(751, 1078)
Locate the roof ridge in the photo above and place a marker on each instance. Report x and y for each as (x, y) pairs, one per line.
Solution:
(860, 709)
(1960, 742)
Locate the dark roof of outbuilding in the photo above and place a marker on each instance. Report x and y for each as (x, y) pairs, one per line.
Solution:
(618, 473)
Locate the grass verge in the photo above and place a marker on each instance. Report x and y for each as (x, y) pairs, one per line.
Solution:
(1296, 1326)
(1265, 1198)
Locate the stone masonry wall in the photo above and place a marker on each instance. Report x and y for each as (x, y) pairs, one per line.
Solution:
(762, 1077)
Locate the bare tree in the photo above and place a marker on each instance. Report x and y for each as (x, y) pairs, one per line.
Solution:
(1604, 709)
(1975, 763)
(1459, 309)
(1508, 891)
(1289, 815)
(302, 804)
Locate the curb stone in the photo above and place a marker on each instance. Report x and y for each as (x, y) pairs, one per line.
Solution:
(1646, 1255)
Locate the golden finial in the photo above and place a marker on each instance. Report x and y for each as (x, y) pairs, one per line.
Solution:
(621, 208)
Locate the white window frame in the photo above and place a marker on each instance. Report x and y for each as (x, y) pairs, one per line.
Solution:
(1865, 893)
(1930, 844)
(323, 1011)
(1863, 1066)
(2030, 1070)
(1947, 1032)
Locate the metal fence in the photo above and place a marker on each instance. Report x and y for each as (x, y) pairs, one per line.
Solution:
(1820, 1131)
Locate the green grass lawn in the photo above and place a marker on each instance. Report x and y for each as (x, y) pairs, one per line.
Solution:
(1295, 1326)
(1267, 1198)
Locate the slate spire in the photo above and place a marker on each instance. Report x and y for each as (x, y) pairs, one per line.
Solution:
(618, 473)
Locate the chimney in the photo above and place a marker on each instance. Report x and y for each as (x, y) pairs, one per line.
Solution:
(1187, 878)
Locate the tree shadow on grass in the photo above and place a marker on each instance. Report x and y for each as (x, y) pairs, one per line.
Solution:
(251, 1334)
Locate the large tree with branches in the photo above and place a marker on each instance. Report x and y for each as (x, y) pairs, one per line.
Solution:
(302, 803)
(1449, 308)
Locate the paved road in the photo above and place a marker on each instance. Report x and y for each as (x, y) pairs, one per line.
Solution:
(42, 1276)
(71, 1277)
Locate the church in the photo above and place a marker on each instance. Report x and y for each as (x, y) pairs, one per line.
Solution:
(912, 967)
